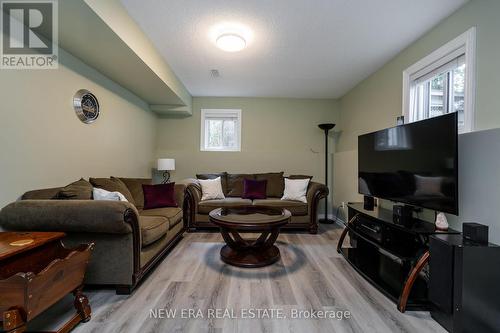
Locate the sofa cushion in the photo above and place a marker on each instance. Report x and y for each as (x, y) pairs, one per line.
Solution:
(42, 194)
(79, 190)
(135, 187)
(204, 207)
(158, 196)
(295, 207)
(173, 214)
(222, 175)
(152, 228)
(113, 185)
(275, 183)
(235, 184)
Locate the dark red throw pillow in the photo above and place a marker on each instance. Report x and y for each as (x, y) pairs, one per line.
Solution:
(254, 189)
(157, 196)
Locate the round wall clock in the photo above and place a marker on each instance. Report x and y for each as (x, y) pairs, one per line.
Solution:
(86, 106)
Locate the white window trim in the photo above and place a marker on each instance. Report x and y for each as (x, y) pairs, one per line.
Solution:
(204, 113)
(466, 42)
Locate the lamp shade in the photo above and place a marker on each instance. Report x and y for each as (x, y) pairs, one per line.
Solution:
(166, 164)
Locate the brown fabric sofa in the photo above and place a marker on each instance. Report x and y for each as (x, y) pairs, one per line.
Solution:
(304, 215)
(129, 240)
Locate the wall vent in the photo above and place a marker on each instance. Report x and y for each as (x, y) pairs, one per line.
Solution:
(214, 73)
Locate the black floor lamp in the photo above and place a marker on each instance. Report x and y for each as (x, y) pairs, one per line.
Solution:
(326, 128)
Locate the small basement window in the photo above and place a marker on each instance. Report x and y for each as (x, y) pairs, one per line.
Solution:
(443, 82)
(220, 130)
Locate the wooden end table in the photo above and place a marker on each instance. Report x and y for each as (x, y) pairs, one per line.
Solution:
(253, 219)
(36, 271)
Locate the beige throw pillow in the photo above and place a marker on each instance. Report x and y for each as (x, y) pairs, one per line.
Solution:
(211, 189)
(296, 189)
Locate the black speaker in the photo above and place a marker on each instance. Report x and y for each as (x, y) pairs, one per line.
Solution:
(402, 214)
(441, 281)
(475, 232)
(463, 284)
(368, 203)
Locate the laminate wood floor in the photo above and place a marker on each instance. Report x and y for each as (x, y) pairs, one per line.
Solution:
(310, 275)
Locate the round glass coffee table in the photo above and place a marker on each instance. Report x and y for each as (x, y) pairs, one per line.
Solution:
(253, 219)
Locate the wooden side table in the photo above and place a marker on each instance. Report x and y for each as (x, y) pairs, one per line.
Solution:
(36, 271)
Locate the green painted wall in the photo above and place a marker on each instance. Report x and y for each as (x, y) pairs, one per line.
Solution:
(44, 144)
(115, 15)
(377, 101)
(277, 135)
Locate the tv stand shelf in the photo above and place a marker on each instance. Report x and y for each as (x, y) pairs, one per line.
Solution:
(392, 257)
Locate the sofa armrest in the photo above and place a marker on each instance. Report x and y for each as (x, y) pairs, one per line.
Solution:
(193, 187)
(315, 193)
(193, 197)
(180, 194)
(191, 182)
(72, 216)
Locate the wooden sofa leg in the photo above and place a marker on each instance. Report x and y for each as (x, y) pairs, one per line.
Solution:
(82, 305)
(123, 289)
(313, 229)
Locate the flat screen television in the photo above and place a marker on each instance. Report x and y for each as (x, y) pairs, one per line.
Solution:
(415, 164)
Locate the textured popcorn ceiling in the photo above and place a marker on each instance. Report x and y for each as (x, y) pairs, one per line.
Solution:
(299, 48)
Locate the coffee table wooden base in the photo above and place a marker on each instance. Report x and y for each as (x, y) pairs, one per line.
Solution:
(249, 252)
(251, 258)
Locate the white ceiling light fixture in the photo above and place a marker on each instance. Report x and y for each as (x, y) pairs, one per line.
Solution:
(231, 36)
(231, 42)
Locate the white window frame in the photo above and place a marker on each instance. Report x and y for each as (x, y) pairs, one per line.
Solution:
(463, 44)
(206, 113)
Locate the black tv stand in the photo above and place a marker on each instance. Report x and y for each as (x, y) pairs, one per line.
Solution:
(392, 257)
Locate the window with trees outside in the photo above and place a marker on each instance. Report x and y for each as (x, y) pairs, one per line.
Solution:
(440, 91)
(220, 130)
(443, 82)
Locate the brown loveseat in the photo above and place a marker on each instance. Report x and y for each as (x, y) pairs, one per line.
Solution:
(128, 239)
(304, 215)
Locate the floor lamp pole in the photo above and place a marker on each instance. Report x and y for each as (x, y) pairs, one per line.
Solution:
(326, 128)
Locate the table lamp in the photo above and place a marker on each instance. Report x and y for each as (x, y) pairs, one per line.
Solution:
(166, 165)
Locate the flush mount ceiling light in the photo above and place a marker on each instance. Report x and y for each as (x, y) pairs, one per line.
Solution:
(231, 42)
(231, 36)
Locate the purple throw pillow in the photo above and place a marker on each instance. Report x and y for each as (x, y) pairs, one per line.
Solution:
(254, 189)
(157, 196)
